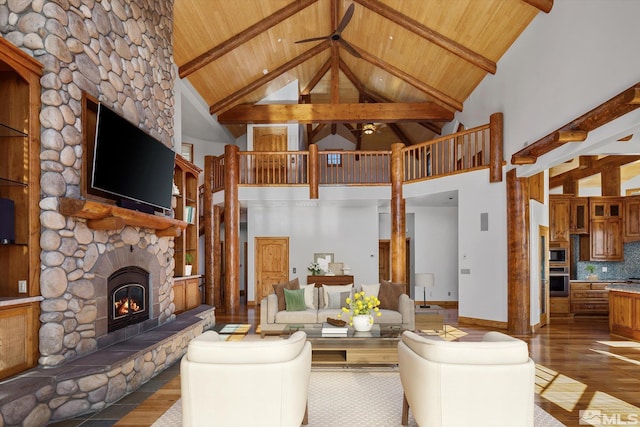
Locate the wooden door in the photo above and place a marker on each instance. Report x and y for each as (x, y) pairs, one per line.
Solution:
(272, 264)
(384, 260)
(270, 168)
(543, 261)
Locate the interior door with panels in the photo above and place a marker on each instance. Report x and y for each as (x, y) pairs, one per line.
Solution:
(272, 264)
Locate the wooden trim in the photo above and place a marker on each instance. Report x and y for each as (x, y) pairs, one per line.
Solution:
(518, 285)
(544, 5)
(334, 113)
(430, 35)
(244, 36)
(493, 324)
(101, 215)
(236, 96)
(578, 129)
(496, 157)
(440, 97)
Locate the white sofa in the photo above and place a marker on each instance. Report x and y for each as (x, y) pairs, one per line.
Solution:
(245, 383)
(272, 319)
(448, 383)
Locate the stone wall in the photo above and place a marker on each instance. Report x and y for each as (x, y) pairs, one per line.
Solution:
(120, 52)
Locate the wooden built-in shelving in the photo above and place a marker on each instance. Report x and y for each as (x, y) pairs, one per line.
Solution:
(101, 216)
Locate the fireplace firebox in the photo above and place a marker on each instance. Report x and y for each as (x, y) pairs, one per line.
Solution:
(128, 297)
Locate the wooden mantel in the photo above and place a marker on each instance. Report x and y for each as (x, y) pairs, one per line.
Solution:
(101, 216)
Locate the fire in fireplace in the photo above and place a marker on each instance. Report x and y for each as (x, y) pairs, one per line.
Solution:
(128, 297)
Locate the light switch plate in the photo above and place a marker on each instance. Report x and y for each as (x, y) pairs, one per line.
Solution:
(22, 286)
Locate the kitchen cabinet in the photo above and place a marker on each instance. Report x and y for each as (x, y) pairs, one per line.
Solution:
(559, 306)
(559, 210)
(624, 317)
(605, 239)
(589, 298)
(631, 217)
(579, 215)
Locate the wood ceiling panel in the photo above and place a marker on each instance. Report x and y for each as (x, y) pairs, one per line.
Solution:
(321, 93)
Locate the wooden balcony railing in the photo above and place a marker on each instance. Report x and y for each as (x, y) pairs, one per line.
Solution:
(449, 154)
(462, 151)
(339, 167)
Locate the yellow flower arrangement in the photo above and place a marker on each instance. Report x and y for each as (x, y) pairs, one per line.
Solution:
(361, 305)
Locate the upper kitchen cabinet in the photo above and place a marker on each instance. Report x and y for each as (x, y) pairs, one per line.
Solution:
(631, 218)
(579, 215)
(559, 210)
(605, 239)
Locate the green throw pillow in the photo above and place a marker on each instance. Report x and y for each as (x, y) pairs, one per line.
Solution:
(294, 300)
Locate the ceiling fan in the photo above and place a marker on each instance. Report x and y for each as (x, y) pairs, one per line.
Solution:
(369, 128)
(337, 33)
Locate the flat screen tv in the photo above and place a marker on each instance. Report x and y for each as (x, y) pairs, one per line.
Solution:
(130, 164)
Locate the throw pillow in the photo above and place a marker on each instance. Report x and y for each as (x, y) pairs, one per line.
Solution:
(389, 295)
(294, 300)
(337, 288)
(371, 290)
(279, 290)
(338, 299)
(309, 292)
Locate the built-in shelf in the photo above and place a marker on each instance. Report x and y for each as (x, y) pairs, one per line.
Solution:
(101, 216)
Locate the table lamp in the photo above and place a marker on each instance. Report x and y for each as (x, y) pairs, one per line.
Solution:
(424, 281)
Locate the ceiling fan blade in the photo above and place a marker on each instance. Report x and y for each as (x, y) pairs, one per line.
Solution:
(313, 39)
(352, 50)
(345, 19)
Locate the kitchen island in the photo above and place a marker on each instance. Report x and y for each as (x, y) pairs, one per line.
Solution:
(624, 309)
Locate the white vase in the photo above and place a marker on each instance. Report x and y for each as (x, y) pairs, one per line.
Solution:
(362, 322)
(187, 270)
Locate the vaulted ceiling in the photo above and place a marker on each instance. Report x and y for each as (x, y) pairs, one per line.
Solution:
(405, 65)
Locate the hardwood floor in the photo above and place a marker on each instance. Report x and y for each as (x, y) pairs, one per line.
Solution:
(580, 367)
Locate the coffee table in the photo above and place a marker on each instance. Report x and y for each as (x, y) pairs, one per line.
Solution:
(376, 347)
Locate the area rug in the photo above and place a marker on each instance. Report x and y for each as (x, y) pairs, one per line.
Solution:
(232, 331)
(375, 393)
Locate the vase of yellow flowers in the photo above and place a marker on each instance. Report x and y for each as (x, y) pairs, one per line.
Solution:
(361, 309)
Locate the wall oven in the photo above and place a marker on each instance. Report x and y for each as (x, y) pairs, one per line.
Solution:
(558, 256)
(559, 281)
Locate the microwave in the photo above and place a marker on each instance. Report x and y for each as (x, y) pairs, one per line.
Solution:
(558, 256)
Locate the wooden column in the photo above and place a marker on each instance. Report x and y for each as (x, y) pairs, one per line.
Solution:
(570, 186)
(496, 156)
(518, 286)
(611, 181)
(398, 222)
(218, 286)
(209, 232)
(231, 230)
(314, 171)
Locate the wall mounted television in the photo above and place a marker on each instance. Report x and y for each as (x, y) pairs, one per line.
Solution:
(130, 164)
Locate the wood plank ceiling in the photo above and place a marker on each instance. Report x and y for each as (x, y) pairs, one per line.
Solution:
(421, 55)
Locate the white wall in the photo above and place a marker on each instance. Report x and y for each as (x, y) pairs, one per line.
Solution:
(350, 233)
(564, 64)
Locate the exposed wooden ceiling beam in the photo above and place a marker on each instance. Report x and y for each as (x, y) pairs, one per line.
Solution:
(335, 74)
(236, 96)
(351, 77)
(317, 77)
(339, 113)
(397, 131)
(432, 127)
(243, 37)
(543, 5)
(615, 107)
(596, 167)
(438, 96)
(429, 34)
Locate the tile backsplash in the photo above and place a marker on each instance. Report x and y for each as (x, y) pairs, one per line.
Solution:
(622, 270)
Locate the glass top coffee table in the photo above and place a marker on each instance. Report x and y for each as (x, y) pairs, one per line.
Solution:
(376, 347)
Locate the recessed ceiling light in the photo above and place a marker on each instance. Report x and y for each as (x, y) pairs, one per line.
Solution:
(265, 71)
(390, 37)
(279, 40)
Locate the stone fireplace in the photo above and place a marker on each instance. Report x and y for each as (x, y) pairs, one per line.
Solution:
(128, 301)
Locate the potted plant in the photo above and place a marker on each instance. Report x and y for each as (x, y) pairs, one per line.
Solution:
(361, 309)
(591, 269)
(188, 261)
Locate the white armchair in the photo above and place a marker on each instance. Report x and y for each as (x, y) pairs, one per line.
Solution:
(449, 383)
(243, 383)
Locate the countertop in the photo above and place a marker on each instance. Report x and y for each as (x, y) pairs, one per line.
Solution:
(633, 288)
(9, 301)
(599, 281)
